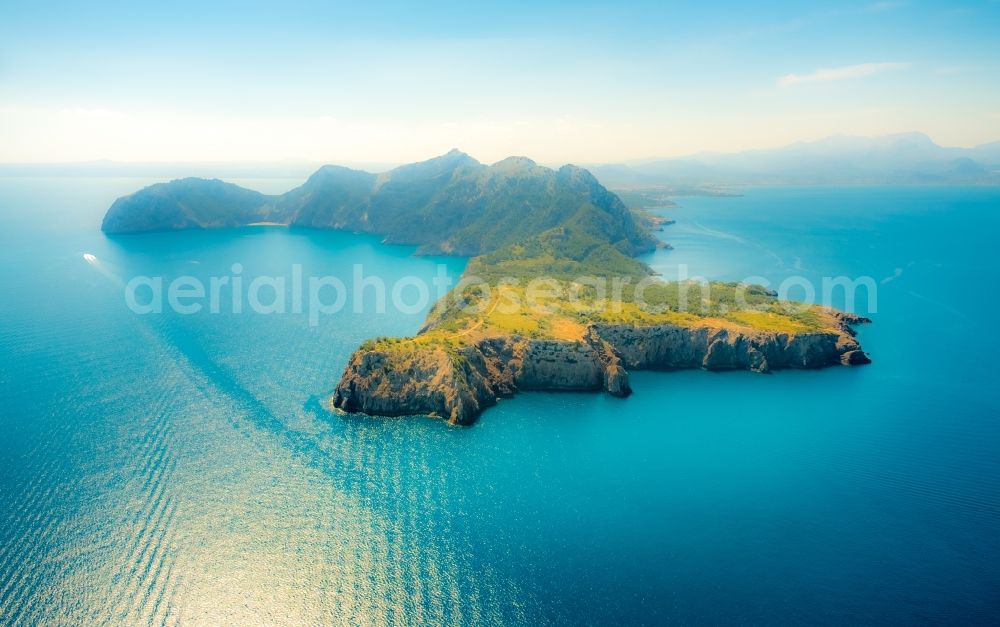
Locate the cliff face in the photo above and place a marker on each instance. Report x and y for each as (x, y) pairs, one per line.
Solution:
(671, 347)
(428, 380)
(458, 384)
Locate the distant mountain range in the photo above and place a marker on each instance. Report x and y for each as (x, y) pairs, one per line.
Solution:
(903, 159)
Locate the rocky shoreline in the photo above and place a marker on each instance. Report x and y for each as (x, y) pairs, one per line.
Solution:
(459, 383)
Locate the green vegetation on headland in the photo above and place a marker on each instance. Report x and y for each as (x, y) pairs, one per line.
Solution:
(553, 297)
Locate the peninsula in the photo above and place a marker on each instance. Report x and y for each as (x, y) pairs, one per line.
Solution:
(553, 297)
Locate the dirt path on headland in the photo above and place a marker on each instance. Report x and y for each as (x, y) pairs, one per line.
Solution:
(481, 320)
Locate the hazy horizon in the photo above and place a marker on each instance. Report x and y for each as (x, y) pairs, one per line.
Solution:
(394, 83)
(293, 162)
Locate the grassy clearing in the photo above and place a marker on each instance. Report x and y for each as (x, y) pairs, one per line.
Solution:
(563, 310)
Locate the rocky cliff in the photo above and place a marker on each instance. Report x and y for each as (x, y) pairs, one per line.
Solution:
(457, 383)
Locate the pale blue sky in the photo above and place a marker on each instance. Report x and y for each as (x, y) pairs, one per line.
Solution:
(392, 81)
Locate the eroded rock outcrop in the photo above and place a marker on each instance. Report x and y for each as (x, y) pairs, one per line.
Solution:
(458, 383)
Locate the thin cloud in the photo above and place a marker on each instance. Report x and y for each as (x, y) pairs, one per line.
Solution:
(841, 73)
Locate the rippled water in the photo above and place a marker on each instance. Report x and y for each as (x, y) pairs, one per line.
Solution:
(178, 468)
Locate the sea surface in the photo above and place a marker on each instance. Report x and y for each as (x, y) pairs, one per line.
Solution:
(169, 468)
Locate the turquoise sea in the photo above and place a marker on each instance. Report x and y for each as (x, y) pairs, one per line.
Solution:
(182, 469)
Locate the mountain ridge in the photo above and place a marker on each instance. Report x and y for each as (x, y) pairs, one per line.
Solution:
(448, 204)
(902, 158)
